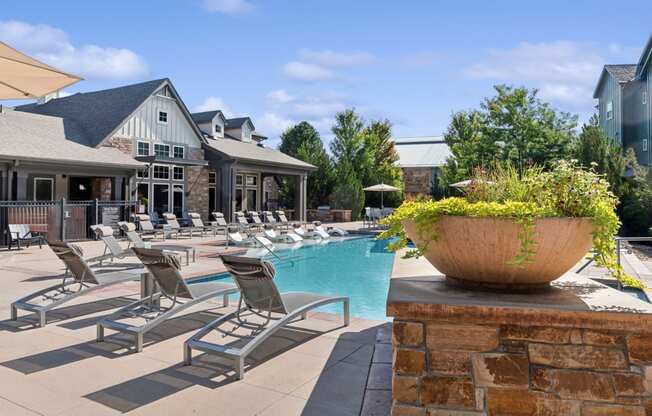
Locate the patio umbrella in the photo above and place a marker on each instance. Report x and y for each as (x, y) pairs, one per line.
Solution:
(464, 184)
(25, 77)
(381, 187)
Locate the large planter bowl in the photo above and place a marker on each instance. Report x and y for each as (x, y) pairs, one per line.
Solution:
(476, 251)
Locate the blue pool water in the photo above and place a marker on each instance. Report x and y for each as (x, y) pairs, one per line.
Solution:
(356, 267)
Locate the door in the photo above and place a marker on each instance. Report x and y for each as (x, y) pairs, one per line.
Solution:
(161, 198)
(177, 200)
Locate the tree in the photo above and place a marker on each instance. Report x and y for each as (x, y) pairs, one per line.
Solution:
(348, 193)
(348, 145)
(512, 126)
(378, 143)
(303, 142)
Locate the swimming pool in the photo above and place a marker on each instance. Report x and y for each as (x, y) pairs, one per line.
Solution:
(358, 267)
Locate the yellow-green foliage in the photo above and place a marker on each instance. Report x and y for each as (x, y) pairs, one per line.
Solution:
(565, 191)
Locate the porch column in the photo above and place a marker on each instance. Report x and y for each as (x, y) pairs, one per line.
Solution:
(21, 186)
(300, 199)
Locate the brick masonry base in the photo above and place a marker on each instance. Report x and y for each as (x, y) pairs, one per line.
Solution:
(564, 352)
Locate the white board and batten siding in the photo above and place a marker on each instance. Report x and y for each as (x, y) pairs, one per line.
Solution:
(145, 126)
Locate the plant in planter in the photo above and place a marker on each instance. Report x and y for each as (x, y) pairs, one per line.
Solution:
(515, 229)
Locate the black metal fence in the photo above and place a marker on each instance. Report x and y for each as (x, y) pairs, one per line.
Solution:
(62, 219)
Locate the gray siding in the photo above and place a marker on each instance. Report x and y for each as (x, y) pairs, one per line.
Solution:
(144, 124)
(611, 91)
(638, 118)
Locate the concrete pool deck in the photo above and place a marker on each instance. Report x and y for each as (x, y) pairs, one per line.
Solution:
(317, 367)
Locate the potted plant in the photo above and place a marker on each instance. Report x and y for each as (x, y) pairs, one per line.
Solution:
(517, 230)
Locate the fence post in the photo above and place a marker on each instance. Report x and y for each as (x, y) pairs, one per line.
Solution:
(62, 218)
(97, 212)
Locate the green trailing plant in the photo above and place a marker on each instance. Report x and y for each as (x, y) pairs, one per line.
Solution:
(567, 190)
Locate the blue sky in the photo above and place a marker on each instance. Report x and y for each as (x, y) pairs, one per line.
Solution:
(280, 62)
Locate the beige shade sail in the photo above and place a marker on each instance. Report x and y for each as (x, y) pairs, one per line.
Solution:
(24, 77)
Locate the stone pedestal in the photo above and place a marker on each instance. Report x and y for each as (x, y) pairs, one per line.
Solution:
(580, 348)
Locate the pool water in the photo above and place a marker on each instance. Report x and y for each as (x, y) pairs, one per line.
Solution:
(356, 267)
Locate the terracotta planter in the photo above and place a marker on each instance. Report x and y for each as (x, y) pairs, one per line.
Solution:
(477, 250)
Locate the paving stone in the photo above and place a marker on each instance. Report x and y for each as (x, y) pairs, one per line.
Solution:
(380, 377)
(377, 403)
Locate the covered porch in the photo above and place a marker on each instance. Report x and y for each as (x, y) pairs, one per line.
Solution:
(246, 177)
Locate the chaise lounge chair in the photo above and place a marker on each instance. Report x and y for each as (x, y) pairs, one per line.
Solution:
(255, 241)
(84, 281)
(255, 218)
(112, 248)
(198, 224)
(146, 227)
(260, 296)
(331, 231)
(219, 224)
(282, 237)
(314, 234)
(268, 217)
(129, 229)
(164, 268)
(21, 234)
(173, 223)
(282, 219)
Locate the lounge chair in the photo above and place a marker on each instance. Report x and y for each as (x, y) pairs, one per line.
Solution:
(314, 234)
(282, 219)
(219, 224)
(84, 280)
(235, 237)
(129, 229)
(282, 237)
(146, 227)
(268, 217)
(22, 234)
(172, 222)
(260, 296)
(331, 231)
(255, 218)
(112, 248)
(164, 268)
(198, 224)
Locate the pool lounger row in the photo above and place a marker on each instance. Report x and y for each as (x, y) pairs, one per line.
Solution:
(253, 280)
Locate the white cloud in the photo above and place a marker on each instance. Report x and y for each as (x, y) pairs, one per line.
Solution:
(336, 59)
(279, 96)
(564, 71)
(273, 124)
(52, 46)
(214, 103)
(308, 72)
(230, 7)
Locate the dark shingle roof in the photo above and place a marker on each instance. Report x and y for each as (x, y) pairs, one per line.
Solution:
(622, 73)
(236, 123)
(204, 116)
(96, 114)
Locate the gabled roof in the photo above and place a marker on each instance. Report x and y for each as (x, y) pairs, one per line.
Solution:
(646, 57)
(622, 73)
(236, 123)
(421, 152)
(96, 114)
(206, 116)
(255, 153)
(34, 137)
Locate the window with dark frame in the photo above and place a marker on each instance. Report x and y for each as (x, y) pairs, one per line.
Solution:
(161, 172)
(177, 173)
(163, 117)
(178, 152)
(162, 150)
(143, 173)
(43, 189)
(142, 149)
(218, 129)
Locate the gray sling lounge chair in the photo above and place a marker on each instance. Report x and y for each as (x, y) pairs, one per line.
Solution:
(112, 248)
(219, 224)
(198, 224)
(84, 280)
(260, 296)
(180, 293)
(146, 227)
(129, 229)
(173, 223)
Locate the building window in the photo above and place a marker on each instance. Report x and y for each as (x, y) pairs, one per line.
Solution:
(246, 133)
(610, 110)
(212, 178)
(161, 172)
(252, 180)
(238, 179)
(645, 145)
(142, 148)
(178, 152)
(163, 117)
(43, 189)
(218, 129)
(162, 150)
(177, 173)
(143, 173)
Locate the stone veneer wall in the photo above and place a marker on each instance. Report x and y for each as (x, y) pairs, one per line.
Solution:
(197, 185)
(418, 181)
(583, 350)
(124, 144)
